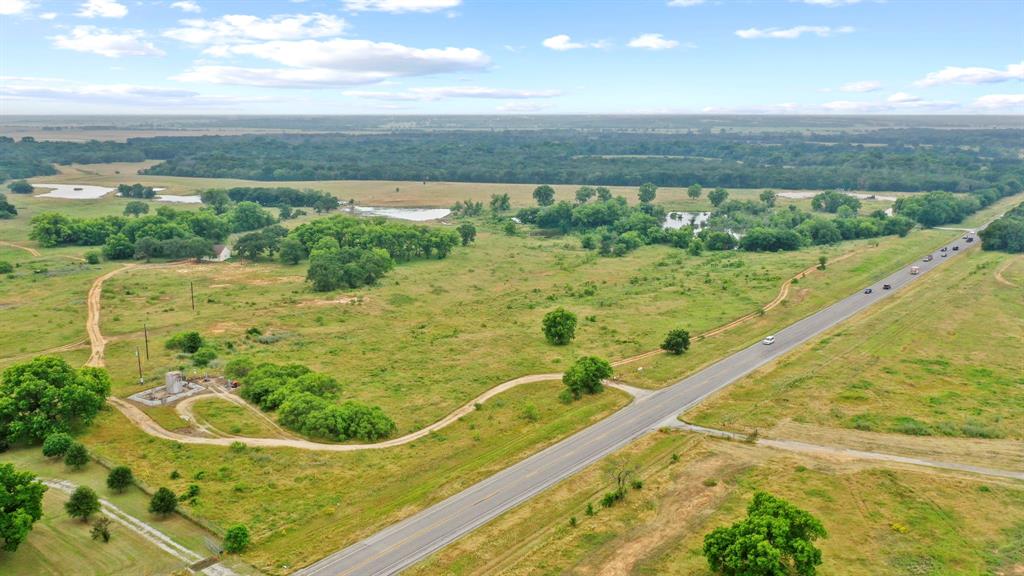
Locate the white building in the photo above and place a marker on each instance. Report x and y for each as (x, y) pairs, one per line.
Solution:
(221, 252)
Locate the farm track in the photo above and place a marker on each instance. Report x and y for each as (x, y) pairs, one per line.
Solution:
(151, 427)
(31, 251)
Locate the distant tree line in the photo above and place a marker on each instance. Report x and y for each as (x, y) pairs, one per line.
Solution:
(306, 402)
(1006, 233)
(281, 197)
(938, 208)
(904, 159)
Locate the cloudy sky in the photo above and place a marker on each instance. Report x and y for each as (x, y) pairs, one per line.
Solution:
(511, 56)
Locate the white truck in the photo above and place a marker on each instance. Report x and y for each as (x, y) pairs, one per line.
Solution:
(915, 270)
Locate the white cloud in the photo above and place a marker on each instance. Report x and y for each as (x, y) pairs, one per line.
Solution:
(973, 75)
(685, 3)
(862, 86)
(899, 102)
(48, 15)
(1008, 102)
(102, 9)
(522, 107)
(335, 62)
(903, 98)
(34, 89)
(187, 6)
(244, 28)
(652, 42)
(107, 43)
(563, 42)
(791, 33)
(399, 6)
(12, 7)
(443, 92)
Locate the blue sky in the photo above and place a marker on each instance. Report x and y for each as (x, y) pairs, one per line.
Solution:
(505, 56)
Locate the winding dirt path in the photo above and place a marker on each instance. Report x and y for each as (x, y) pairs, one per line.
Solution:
(1002, 279)
(31, 251)
(151, 427)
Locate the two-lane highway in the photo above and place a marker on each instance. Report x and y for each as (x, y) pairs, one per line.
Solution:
(413, 539)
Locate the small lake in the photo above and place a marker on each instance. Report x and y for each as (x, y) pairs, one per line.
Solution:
(676, 220)
(74, 191)
(412, 214)
(177, 199)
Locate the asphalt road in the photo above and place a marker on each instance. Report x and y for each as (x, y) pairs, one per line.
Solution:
(413, 539)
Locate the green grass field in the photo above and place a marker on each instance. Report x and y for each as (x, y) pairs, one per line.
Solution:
(232, 419)
(57, 542)
(301, 505)
(880, 520)
(942, 358)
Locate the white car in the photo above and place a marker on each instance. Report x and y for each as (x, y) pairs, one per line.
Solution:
(768, 341)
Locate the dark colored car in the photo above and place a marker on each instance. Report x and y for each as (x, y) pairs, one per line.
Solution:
(886, 286)
(867, 290)
(955, 248)
(943, 249)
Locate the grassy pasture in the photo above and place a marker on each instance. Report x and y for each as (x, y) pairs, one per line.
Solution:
(942, 358)
(880, 520)
(232, 419)
(301, 505)
(391, 193)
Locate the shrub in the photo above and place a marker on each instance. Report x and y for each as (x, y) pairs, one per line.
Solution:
(76, 456)
(559, 326)
(239, 367)
(164, 502)
(236, 539)
(92, 257)
(677, 341)
(907, 425)
(204, 356)
(83, 503)
(530, 413)
(101, 529)
(56, 445)
(6, 267)
(188, 342)
(585, 375)
(120, 478)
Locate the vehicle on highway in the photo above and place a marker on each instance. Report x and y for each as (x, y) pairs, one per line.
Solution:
(928, 258)
(955, 248)
(944, 254)
(886, 286)
(768, 341)
(915, 270)
(970, 239)
(943, 249)
(868, 290)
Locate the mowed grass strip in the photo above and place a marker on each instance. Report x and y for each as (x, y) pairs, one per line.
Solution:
(228, 418)
(942, 358)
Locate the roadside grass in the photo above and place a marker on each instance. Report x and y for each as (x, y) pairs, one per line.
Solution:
(880, 520)
(301, 505)
(870, 260)
(232, 419)
(942, 358)
(60, 545)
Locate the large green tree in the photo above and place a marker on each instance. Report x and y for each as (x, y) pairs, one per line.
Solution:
(586, 374)
(677, 341)
(120, 478)
(544, 195)
(21, 504)
(559, 326)
(717, 196)
(647, 193)
(46, 395)
(83, 503)
(694, 191)
(775, 539)
(236, 539)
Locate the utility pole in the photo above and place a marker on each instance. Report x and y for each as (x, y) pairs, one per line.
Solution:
(145, 331)
(139, 358)
(192, 291)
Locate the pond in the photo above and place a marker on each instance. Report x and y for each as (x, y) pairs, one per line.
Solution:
(413, 214)
(74, 191)
(676, 220)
